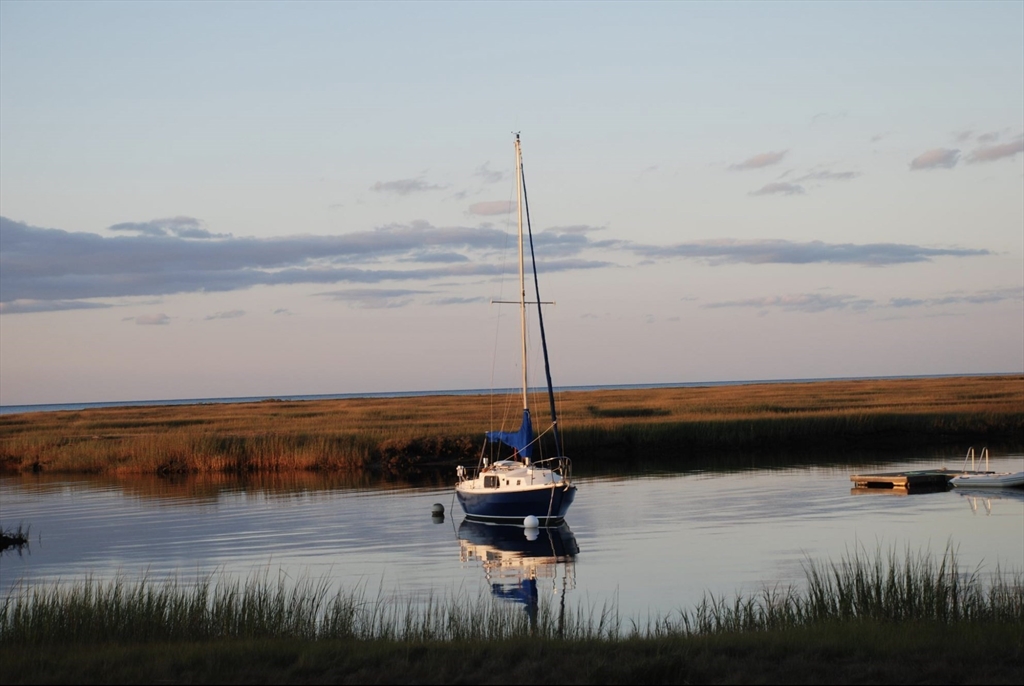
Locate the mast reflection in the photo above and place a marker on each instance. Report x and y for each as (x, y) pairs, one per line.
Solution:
(516, 561)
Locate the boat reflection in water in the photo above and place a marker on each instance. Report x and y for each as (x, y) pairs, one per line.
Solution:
(984, 496)
(520, 563)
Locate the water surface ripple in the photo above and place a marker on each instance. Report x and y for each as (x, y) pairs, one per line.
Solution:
(647, 543)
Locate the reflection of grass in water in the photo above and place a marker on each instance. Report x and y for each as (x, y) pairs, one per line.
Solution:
(915, 590)
(687, 427)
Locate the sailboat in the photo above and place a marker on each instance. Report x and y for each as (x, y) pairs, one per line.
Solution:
(521, 490)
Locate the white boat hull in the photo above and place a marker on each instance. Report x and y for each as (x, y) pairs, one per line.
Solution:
(1004, 480)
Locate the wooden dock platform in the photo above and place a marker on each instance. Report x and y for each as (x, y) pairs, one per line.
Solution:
(923, 479)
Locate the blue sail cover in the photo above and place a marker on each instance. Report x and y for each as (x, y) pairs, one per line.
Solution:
(520, 440)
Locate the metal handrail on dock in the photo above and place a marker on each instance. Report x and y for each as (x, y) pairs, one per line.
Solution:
(970, 456)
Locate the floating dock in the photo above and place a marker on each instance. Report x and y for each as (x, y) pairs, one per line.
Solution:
(919, 480)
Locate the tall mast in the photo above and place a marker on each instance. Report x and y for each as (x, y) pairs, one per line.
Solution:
(540, 313)
(522, 273)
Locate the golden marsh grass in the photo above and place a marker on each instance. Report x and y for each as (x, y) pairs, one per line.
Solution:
(402, 435)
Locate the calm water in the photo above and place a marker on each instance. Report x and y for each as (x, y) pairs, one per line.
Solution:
(647, 544)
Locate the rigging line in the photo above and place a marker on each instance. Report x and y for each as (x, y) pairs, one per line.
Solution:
(540, 311)
(497, 325)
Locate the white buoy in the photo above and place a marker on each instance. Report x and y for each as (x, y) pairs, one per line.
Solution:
(531, 522)
(438, 509)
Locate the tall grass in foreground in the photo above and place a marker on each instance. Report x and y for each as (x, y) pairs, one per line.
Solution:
(885, 589)
(915, 589)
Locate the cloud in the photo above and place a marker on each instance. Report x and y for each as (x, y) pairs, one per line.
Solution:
(52, 269)
(375, 298)
(978, 298)
(773, 251)
(826, 117)
(437, 257)
(182, 227)
(458, 301)
(491, 207)
(405, 186)
(813, 302)
(25, 306)
(816, 302)
(231, 314)
(779, 188)
(964, 136)
(997, 152)
(54, 265)
(828, 175)
(765, 159)
(153, 319)
(487, 175)
(938, 158)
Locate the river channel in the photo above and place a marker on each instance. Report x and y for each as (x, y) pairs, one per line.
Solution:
(645, 544)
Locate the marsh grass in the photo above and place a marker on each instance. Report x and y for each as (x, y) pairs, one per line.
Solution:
(409, 436)
(884, 619)
(917, 589)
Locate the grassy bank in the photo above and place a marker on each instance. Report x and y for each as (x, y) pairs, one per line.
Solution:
(880, 620)
(400, 436)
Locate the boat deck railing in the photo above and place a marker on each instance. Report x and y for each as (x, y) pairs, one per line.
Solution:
(557, 465)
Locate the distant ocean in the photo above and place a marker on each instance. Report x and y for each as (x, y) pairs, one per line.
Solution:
(57, 407)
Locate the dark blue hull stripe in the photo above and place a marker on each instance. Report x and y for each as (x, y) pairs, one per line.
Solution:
(495, 505)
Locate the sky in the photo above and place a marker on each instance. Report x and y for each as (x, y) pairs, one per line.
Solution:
(220, 199)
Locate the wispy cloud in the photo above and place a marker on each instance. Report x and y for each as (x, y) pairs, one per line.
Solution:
(458, 301)
(827, 117)
(793, 186)
(764, 159)
(977, 298)
(817, 302)
(812, 252)
(812, 302)
(231, 314)
(490, 208)
(182, 227)
(827, 175)
(27, 305)
(374, 298)
(997, 152)
(431, 256)
(405, 186)
(938, 158)
(779, 188)
(153, 319)
(487, 175)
